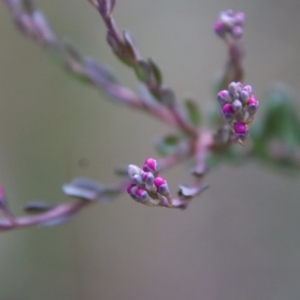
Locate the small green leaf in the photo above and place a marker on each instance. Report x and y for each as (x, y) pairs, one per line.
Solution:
(166, 145)
(193, 112)
(142, 70)
(155, 71)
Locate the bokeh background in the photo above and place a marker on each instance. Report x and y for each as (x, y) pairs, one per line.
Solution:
(239, 241)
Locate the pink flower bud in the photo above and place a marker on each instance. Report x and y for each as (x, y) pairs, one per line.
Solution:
(148, 178)
(239, 18)
(131, 189)
(224, 97)
(141, 194)
(252, 105)
(237, 105)
(227, 111)
(240, 129)
(161, 185)
(237, 32)
(150, 165)
(219, 28)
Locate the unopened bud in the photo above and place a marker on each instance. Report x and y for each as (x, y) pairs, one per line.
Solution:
(240, 129)
(237, 32)
(141, 195)
(150, 165)
(224, 97)
(133, 172)
(148, 178)
(252, 105)
(161, 185)
(237, 105)
(228, 112)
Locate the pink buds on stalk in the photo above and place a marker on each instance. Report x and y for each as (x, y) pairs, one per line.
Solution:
(230, 23)
(146, 186)
(238, 107)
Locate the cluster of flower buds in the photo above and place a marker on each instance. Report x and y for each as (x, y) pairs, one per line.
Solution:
(238, 106)
(147, 187)
(230, 23)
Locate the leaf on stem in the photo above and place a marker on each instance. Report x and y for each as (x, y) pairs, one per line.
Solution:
(142, 70)
(37, 207)
(157, 75)
(132, 50)
(190, 191)
(193, 112)
(83, 188)
(167, 145)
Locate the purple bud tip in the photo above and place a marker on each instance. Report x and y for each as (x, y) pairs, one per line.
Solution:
(227, 111)
(219, 28)
(148, 178)
(150, 165)
(223, 97)
(161, 185)
(240, 128)
(248, 89)
(130, 189)
(237, 105)
(237, 32)
(141, 194)
(158, 181)
(239, 18)
(252, 105)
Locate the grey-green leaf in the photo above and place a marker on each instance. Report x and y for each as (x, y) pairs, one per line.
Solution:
(193, 112)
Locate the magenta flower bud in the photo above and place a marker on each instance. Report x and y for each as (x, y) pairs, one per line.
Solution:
(227, 111)
(237, 105)
(237, 32)
(220, 29)
(141, 194)
(148, 178)
(131, 189)
(224, 97)
(239, 18)
(150, 165)
(252, 105)
(161, 185)
(240, 129)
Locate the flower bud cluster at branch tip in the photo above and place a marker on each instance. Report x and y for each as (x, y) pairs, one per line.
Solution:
(146, 186)
(230, 23)
(238, 107)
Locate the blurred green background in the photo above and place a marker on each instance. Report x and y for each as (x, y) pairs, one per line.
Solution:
(238, 241)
